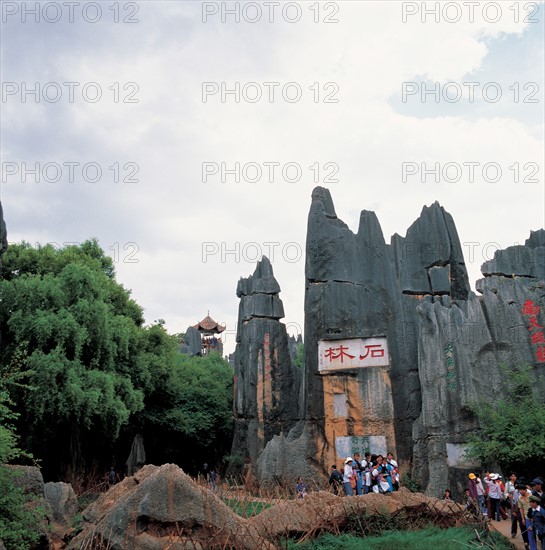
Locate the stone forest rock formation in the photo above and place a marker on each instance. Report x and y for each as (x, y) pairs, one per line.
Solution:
(3, 235)
(428, 347)
(266, 383)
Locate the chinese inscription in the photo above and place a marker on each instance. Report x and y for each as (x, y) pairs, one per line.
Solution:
(537, 337)
(352, 354)
(451, 370)
(349, 445)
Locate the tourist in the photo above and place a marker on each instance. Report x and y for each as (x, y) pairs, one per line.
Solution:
(537, 490)
(494, 494)
(301, 488)
(347, 477)
(336, 481)
(481, 496)
(112, 476)
(471, 503)
(212, 477)
(357, 468)
(447, 495)
(537, 515)
(523, 505)
(511, 496)
(395, 471)
(367, 473)
(379, 475)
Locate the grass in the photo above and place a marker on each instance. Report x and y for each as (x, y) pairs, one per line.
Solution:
(428, 539)
(246, 508)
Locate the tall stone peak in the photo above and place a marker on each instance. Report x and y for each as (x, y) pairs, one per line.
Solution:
(261, 282)
(3, 235)
(258, 294)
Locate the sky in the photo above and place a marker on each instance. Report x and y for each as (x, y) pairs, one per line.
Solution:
(187, 136)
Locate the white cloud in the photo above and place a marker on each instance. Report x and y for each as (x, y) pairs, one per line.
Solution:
(169, 213)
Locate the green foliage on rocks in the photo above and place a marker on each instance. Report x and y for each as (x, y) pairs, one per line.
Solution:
(512, 432)
(17, 519)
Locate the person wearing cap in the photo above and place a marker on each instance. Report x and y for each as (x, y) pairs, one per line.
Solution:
(494, 494)
(537, 490)
(523, 506)
(537, 514)
(348, 472)
(472, 487)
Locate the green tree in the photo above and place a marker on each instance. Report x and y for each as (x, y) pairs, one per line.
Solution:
(78, 337)
(189, 415)
(512, 431)
(86, 375)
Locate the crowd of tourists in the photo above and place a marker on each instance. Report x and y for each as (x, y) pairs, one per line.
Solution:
(374, 473)
(518, 501)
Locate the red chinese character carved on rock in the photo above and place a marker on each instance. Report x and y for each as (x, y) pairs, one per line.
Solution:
(540, 354)
(374, 352)
(533, 323)
(337, 353)
(529, 308)
(538, 338)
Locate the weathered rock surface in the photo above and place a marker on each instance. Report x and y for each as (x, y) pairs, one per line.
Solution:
(137, 456)
(193, 341)
(3, 235)
(359, 287)
(162, 507)
(62, 501)
(266, 383)
(29, 479)
(445, 343)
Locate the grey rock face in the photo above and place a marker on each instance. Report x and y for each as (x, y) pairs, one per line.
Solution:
(445, 343)
(193, 341)
(3, 235)
(446, 346)
(359, 286)
(137, 456)
(266, 383)
(29, 479)
(62, 501)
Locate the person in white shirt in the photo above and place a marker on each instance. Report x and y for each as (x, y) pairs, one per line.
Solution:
(348, 472)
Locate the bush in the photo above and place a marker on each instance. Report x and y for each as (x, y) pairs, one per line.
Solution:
(18, 517)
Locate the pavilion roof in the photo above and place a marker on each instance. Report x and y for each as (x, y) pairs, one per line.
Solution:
(209, 325)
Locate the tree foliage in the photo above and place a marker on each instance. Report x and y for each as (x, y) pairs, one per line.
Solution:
(512, 431)
(191, 409)
(17, 520)
(83, 370)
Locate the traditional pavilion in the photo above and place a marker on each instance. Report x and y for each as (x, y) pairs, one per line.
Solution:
(209, 329)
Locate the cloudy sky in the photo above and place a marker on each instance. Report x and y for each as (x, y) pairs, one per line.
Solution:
(188, 136)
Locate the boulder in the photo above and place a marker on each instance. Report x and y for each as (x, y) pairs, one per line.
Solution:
(62, 501)
(163, 507)
(137, 456)
(29, 479)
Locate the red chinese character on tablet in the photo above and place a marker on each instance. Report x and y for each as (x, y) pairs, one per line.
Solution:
(378, 352)
(337, 353)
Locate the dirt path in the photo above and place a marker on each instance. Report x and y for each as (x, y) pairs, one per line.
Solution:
(504, 527)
